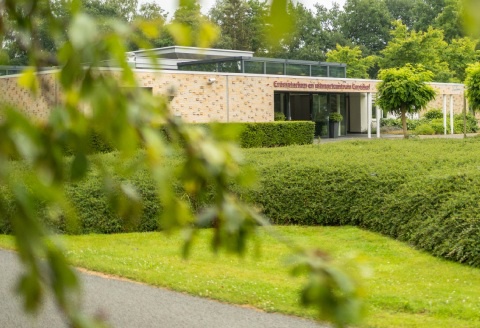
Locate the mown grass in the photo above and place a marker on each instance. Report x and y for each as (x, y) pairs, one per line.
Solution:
(406, 288)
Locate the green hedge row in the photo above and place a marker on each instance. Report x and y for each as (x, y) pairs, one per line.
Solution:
(423, 192)
(274, 134)
(252, 135)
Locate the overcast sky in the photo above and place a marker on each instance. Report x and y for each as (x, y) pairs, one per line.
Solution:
(170, 5)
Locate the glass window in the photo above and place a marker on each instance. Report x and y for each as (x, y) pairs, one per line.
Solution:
(230, 66)
(299, 70)
(275, 68)
(337, 71)
(253, 67)
(319, 70)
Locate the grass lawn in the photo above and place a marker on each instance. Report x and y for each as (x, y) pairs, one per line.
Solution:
(406, 288)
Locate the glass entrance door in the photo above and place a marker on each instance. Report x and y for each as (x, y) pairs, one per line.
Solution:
(320, 114)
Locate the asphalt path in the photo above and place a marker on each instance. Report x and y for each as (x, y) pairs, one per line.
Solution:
(129, 304)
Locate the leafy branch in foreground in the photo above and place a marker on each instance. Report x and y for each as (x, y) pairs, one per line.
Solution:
(108, 103)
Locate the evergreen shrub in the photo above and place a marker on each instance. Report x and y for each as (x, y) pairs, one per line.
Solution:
(424, 129)
(423, 192)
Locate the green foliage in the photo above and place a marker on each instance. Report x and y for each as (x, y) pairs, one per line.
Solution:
(424, 129)
(278, 116)
(433, 120)
(422, 192)
(277, 134)
(417, 48)
(357, 66)
(366, 23)
(111, 106)
(433, 114)
(336, 117)
(403, 90)
(472, 83)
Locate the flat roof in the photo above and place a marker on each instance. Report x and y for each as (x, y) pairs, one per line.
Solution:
(178, 52)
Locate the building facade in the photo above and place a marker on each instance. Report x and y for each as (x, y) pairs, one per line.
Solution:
(207, 96)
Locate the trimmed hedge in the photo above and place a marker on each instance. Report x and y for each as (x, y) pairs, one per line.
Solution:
(423, 192)
(274, 134)
(252, 135)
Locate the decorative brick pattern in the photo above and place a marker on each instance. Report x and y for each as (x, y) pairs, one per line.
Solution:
(231, 98)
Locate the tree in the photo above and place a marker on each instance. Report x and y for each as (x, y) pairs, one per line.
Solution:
(403, 10)
(366, 23)
(110, 105)
(190, 27)
(472, 82)
(257, 14)
(459, 54)
(153, 18)
(232, 18)
(425, 12)
(417, 48)
(357, 66)
(449, 20)
(403, 90)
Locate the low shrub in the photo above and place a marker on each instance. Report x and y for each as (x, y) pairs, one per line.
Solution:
(391, 122)
(424, 129)
(423, 192)
(433, 114)
(274, 134)
(279, 116)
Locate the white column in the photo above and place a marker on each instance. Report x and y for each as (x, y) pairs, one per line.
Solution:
(444, 114)
(369, 115)
(338, 111)
(451, 114)
(379, 117)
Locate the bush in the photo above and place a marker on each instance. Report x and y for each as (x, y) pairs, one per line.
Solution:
(279, 116)
(424, 192)
(391, 122)
(433, 114)
(424, 129)
(274, 134)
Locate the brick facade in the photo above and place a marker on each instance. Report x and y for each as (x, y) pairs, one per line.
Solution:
(231, 98)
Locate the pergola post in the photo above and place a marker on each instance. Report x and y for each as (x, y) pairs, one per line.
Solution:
(369, 115)
(379, 117)
(444, 114)
(451, 114)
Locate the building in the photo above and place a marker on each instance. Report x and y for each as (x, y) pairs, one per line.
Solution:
(233, 86)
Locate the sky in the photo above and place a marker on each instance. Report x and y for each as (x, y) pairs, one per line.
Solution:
(170, 5)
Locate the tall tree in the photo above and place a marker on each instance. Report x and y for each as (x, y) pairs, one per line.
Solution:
(357, 66)
(154, 17)
(403, 10)
(450, 20)
(424, 48)
(403, 90)
(190, 27)
(459, 54)
(313, 34)
(258, 11)
(366, 23)
(425, 12)
(232, 16)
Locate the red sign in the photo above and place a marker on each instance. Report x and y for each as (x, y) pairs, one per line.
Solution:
(322, 86)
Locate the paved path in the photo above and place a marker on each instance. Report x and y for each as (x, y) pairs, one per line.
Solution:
(129, 304)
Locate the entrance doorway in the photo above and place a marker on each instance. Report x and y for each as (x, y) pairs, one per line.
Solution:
(315, 107)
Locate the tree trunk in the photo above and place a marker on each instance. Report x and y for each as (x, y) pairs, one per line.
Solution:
(404, 123)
